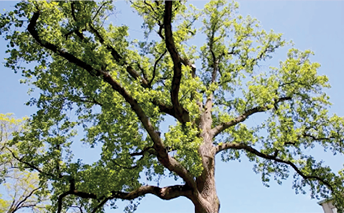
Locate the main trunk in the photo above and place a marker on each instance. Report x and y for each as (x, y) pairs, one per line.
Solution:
(207, 200)
(205, 197)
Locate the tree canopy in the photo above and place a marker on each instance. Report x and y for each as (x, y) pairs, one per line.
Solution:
(22, 187)
(117, 91)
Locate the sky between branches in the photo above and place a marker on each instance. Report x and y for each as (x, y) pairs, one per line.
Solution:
(315, 25)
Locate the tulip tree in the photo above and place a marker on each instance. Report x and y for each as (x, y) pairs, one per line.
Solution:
(116, 91)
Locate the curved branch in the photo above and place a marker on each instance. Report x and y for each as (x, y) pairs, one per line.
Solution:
(222, 126)
(241, 146)
(164, 158)
(165, 193)
(21, 203)
(71, 58)
(181, 113)
(29, 165)
(154, 69)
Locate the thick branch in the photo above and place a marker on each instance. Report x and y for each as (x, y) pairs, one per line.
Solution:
(221, 127)
(149, 150)
(71, 58)
(181, 113)
(166, 109)
(165, 193)
(166, 160)
(250, 149)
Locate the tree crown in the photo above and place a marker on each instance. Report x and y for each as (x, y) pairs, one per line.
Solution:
(94, 79)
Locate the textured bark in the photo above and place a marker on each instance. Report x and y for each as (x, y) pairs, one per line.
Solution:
(207, 200)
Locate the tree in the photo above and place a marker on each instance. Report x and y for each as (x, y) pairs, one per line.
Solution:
(93, 78)
(21, 186)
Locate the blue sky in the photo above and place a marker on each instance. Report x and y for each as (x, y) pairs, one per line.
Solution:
(315, 25)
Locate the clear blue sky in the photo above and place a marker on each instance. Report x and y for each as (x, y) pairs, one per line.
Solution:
(315, 25)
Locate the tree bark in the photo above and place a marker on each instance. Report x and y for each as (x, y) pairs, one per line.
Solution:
(207, 200)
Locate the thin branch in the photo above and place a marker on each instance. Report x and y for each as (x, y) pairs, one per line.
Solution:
(316, 138)
(73, 11)
(154, 69)
(250, 149)
(145, 76)
(146, 3)
(101, 204)
(87, 100)
(76, 31)
(31, 166)
(215, 60)
(126, 167)
(99, 9)
(71, 58)
(221, 127)
(149, 150)
(19, 205)
(119, 59)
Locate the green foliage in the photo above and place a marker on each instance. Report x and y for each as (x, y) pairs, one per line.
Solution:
(21, 187)
(76, 100)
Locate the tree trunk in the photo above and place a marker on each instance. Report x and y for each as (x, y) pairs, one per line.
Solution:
(207, 200)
